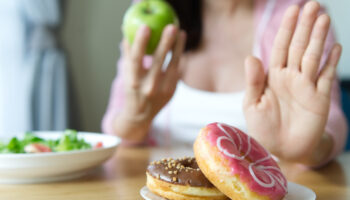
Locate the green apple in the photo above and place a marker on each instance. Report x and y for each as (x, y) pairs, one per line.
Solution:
(156, 14)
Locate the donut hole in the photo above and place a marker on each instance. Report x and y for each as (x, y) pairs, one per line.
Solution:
(189, 163)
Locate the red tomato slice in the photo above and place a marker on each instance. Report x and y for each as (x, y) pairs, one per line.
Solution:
(42, 148)
(98, 145)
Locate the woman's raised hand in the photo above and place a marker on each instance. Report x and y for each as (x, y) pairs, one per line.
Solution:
(287, 109)
(147, 90)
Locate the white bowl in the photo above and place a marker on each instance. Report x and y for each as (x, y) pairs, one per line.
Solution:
(56, 166)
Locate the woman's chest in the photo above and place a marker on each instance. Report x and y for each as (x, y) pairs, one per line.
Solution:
(215, 72)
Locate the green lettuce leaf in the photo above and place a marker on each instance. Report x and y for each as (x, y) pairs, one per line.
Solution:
(15, 146)
(70, 141)
(2, 147)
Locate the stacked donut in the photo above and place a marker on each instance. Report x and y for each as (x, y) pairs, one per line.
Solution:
(230, 163)
(180, 179)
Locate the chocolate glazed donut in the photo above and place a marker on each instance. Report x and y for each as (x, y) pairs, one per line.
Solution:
(180, 179)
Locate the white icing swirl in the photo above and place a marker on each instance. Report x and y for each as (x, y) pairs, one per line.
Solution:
(229, 138)
(273, 173)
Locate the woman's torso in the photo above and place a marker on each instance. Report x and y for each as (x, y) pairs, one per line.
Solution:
(212, 85)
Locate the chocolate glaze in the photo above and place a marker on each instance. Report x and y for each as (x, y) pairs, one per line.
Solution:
(183, 171)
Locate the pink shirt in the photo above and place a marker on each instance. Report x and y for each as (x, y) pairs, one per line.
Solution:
(268, 15)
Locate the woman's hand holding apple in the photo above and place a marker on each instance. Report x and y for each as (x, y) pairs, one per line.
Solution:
(148, 90)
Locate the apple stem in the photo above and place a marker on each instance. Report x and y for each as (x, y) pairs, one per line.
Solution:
(148, 9)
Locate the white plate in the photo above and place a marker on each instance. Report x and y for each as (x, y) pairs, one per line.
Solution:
(49, 167)
(295, 192)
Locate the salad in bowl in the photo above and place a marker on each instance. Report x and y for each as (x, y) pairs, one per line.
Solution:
(31, 143)
(47, 156)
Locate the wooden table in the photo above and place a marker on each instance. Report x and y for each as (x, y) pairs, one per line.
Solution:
(122, 177)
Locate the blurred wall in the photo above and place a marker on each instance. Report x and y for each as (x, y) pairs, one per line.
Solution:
(340, 13)
(90, 34)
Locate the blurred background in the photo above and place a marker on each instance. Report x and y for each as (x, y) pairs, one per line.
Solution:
(90, 35)
(57, 60)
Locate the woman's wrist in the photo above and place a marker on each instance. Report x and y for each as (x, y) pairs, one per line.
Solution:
(321, 153)
(130, 127)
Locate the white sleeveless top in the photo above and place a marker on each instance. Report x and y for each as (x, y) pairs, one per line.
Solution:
(191, 109)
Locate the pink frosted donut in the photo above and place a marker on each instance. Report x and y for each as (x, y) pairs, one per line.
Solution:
(237, 164)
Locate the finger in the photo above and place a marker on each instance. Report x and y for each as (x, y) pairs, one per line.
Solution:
(171, 80)
(126, 48)
(165, 45)
(139, 47)
(313, 54)
(255, 81)
(129, 71)
(172, 73)
(283, 38)
(302, 34)
(327, 75)
(177, 52)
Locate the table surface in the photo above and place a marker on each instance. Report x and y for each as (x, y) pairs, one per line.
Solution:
(124, 175)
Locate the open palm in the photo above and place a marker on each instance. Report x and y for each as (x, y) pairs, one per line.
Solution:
(287, 109)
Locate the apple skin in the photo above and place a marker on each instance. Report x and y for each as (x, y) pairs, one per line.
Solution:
(156, 14)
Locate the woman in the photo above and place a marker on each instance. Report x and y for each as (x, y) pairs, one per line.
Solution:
(292, 108)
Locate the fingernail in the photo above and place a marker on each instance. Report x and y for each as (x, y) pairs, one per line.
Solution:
(144, 29)
(338, 48)
(293, 10)
(312, 6)
(171, 29)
